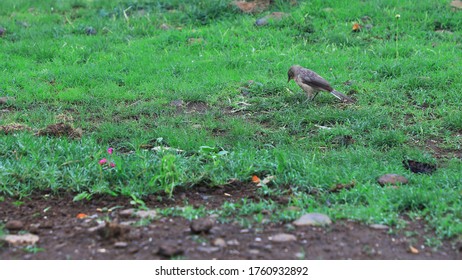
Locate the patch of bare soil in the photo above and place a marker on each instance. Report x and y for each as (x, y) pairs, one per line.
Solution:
(434, 146)
(13, 127)
(108, 228)
(61, 129)
(192, 107)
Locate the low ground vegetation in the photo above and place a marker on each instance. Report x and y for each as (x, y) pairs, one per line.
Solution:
(149, 98)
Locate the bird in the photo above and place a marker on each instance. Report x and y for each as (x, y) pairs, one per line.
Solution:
(312, 83)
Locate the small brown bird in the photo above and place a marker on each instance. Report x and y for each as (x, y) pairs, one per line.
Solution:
(312, 83)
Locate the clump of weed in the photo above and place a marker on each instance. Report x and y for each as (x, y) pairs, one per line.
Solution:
(385, 140)
(168, 176)
(453, 121)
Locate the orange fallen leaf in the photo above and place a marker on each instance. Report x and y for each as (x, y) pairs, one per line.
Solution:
(81, 216)
(255, 179)
(413, 250)
(356, 27)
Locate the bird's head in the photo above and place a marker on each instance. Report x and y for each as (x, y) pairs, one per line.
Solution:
(292, 72)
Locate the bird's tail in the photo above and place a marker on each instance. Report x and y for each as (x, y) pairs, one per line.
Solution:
(342, 96)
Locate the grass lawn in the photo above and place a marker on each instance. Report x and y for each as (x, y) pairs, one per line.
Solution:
(200, 78)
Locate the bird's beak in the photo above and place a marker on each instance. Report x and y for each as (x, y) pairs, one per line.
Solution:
(288, 80)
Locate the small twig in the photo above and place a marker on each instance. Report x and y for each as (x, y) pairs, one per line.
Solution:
(69, 21)
(134, 103)
(322, 127)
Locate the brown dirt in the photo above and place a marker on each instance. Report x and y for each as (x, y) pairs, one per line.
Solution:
(120, 236)
(60, 129)
(13, 127)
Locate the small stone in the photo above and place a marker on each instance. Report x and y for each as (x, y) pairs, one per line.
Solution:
(120, 244)
(101, 250)
(283, 237)
(232, 242)
(2, 31)
(203, 225)
(169, 250)
(392, 179)
(21, 239)
(276, 16)
(146, 214)
(14, 225)
(313, 219)
(126, 213)
(379, 226)
(208, 250)
(219, 242)
(254, 251)
(90, 31)
(127, 223)
(261, 21)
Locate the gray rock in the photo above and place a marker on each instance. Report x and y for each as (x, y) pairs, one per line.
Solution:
(283, 237)
(232, 242)
(313, 219)
(379, 226)
(121, 244)
(392, 179)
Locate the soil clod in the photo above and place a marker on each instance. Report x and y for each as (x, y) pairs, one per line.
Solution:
(203, 225)
(419, 167)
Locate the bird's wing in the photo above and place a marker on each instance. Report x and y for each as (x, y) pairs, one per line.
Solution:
(314, 80)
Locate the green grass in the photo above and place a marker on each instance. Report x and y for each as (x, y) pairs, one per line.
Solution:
(119, 84)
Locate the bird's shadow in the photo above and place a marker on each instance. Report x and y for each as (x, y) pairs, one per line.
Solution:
(300, 98)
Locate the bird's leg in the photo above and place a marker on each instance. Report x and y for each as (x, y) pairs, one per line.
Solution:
(313, 96)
